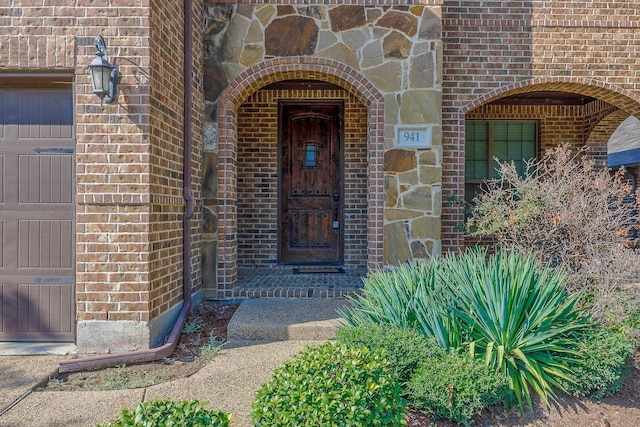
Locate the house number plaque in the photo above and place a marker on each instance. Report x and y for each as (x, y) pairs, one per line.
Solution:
(413, 136)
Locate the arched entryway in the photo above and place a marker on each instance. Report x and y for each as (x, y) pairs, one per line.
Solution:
(542, 114)
(249, 180)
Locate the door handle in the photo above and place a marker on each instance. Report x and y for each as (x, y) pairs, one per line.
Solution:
(336, 210)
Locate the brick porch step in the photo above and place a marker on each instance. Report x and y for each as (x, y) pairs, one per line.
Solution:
(281, 319)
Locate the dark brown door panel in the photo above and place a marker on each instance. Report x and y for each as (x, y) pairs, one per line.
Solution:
(311, 190)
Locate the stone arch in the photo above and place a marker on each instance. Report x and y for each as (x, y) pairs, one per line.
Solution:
(299, 67)
(238, 90)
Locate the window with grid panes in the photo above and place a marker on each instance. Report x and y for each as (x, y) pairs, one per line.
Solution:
(508, 141)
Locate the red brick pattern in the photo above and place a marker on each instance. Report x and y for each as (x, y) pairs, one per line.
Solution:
(258, 177)
(230, 101)
(495, 49)
(166, 156)
(112, 242)
(351, 2)
(558, 124)
(602, 126)
(129, 200)
(109, 236)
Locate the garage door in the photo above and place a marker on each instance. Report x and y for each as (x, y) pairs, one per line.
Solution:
(36, 215)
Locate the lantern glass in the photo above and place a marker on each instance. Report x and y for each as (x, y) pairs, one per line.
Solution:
(104, 76)
(100, 76)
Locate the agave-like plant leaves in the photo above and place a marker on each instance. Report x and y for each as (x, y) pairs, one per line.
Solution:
(506, 310)
(408, 296)
(386, 299)
(520, 319)
(434, 317)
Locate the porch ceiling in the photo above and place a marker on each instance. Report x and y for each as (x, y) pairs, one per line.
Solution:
(544, 98)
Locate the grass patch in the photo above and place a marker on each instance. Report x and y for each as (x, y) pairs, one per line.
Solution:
(193, 325)
(209, 351)
(117, 378)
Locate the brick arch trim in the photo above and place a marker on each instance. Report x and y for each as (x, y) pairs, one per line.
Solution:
(626, 101)
(237, 91)
(623, 99)
(299, 67)
(601, 132)
(598, 136)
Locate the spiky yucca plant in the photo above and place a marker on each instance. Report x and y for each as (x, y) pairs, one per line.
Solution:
(507, 310)
(520, 319)
(410, 296)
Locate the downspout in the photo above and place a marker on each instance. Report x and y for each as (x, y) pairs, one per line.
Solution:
(139, 356)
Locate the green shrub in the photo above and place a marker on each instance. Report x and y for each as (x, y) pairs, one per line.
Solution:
(330, 385)
(625, 314)
(521, 320)
(506, 309)
(410, 296)
(165, 413)
(456, 387)
(404, 349)
(599, 365)
(568, 212)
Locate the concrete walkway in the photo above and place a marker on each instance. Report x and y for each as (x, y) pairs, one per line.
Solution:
(281, 328)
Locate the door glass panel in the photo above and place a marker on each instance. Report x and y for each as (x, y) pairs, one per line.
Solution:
(311, 155)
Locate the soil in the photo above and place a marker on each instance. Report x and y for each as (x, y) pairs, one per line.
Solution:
(206, 323)
(211, 319)
(620, 410)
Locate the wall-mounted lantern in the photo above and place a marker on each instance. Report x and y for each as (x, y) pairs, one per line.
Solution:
(104, 76)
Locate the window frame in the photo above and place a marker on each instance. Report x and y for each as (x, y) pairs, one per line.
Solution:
(491, 163)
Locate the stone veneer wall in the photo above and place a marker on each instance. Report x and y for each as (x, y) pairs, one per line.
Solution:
(123, 185)
(395, 45)
(258, 176)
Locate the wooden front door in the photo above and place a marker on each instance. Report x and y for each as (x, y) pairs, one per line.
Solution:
(311, 194)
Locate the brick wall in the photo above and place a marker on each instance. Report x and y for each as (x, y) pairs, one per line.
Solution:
(351, 2)
(111, 262)
(258, 176)
(166, 156)
(601, 121)
(557, 124)
(129, 200)
(493, 49)
(112, 242)
(233, 97)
